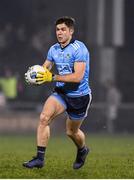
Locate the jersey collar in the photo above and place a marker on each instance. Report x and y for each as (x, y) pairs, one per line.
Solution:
(71, 41)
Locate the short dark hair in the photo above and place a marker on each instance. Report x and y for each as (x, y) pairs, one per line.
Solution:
(69, 21)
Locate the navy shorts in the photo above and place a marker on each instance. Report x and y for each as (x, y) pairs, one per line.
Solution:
(76, 107)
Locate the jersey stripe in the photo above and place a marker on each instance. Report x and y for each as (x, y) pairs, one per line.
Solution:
(74, 46)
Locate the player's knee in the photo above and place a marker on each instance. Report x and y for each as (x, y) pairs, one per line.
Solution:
(71, 132)
(44, 119)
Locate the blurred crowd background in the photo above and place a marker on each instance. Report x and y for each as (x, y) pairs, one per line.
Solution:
(27, 31)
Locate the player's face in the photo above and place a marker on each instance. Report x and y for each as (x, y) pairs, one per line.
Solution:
(63, 33)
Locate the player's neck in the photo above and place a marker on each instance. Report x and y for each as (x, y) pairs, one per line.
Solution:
(65, 43)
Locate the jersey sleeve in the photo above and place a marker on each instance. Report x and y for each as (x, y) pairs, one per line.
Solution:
(80, 55)
(49, 55)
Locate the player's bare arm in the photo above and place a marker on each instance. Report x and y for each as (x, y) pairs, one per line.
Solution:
(48, 64)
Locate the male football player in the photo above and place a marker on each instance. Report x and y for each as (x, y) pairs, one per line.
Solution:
(71, 94)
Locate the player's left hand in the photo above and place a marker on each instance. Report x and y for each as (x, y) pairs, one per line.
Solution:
(45, 76)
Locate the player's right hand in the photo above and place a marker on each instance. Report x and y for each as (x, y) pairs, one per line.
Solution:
(45, 76)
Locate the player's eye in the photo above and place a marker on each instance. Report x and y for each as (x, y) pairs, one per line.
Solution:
(57, 29)
(63, 29)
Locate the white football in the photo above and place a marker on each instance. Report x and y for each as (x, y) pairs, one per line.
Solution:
(32, 73)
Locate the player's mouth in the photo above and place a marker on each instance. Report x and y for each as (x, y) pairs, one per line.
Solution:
(60, 38)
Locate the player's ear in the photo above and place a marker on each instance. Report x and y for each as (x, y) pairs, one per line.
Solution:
(71, 30)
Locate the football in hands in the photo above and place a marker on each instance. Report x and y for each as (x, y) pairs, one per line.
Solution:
(31, 74)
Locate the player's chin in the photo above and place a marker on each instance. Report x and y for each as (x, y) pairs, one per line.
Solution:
(60, 40)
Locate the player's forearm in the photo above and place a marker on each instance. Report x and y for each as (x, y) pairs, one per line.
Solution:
(68, 78)
(48, 64)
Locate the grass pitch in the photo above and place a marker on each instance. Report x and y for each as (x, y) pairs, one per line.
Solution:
(110, 157)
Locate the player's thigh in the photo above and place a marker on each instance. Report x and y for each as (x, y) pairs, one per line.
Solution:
(72, 126)
(51, 108)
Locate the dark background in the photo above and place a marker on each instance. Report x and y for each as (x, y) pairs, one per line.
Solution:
(29, 31)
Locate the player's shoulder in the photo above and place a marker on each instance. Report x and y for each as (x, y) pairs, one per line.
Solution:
(55, 46)
(76, 44)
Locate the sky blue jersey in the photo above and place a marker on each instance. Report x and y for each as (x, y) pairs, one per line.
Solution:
(64, 59)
